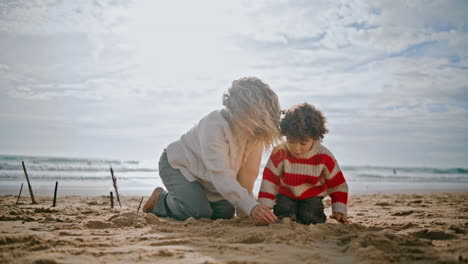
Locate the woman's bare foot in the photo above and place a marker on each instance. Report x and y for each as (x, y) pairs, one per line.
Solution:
(152, 200)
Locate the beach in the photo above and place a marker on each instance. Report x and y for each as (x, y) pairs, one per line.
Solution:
(365, 101)
(384, 228)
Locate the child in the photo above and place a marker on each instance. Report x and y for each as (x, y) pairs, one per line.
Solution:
(300, 172)
(211, 169)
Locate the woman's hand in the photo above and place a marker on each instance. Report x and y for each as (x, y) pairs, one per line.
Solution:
(340, 218)
(263, 214)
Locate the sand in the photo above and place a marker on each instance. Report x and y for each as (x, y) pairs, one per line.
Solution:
(396, 228)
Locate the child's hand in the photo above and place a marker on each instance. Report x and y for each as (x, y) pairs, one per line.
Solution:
(263, 214)
(340, 218)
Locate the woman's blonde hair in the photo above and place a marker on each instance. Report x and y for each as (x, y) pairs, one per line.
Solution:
(251, 102)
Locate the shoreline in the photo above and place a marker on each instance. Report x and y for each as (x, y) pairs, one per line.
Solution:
(98, 193)
(135, 188)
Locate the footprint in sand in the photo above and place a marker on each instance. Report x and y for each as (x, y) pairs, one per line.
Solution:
(403, 213)
(383, 204)
(434, 234)
(97, 224)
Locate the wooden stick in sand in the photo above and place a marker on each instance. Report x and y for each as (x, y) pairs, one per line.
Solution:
(17, 200)
(114, 183)
(140, 204)
(112, 199)
(55, 193)
(29, 184)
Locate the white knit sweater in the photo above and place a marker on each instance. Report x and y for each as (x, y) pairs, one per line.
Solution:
(209, 154)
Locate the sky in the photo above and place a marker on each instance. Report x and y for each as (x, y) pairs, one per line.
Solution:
(122, 79)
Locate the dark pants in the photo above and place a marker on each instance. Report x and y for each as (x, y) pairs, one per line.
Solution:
(184, 199)
(307, 211)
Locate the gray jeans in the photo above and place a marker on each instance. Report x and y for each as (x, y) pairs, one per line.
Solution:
(184, 199)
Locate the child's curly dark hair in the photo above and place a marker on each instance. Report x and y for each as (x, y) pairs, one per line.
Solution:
(303, 121)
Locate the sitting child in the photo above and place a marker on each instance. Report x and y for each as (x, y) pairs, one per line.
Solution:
(301, 172)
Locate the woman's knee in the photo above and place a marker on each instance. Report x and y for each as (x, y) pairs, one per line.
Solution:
(204, 212)
(199, 212)
(183, 209)
(223, 210)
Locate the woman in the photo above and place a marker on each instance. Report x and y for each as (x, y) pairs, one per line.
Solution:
(212, 168)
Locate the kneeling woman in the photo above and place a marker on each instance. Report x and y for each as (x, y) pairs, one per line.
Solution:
(212, 168)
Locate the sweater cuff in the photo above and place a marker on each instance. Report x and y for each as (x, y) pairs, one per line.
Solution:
(340, 208)
(248, 204)
(268, 202)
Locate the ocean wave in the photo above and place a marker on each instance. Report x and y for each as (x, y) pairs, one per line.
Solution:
(67, 167)
(58, 168)
(407, 178)
(435, 170)
(407, 169)
(11, 163)
(68, 178)
(63, 159)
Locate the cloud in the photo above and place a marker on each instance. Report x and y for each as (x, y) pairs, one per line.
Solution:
(421, 81)
(58, 17)
(354, 27)
(386, 71)
(357, 46)
(4, 68)
(293, 38)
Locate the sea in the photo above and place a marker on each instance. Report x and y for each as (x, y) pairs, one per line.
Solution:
(92, 177)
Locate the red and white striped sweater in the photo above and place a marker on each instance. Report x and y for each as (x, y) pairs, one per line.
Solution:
(315, 174)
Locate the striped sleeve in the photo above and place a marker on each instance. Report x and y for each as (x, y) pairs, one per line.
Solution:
(337, 188)
(270, 181)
